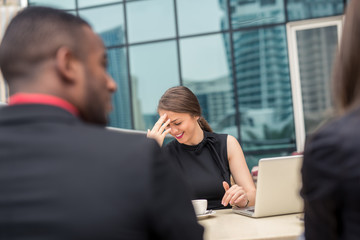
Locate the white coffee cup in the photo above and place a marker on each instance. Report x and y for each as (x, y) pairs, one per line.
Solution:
(200, 206)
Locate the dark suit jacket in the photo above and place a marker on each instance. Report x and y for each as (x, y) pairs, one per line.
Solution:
(331, 181)
(63, 179)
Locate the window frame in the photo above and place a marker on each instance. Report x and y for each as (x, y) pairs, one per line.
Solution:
(295, 81)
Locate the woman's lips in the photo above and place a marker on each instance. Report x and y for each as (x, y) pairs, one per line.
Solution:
(179, 135)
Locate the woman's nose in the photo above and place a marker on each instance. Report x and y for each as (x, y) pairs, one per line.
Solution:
(174, 130)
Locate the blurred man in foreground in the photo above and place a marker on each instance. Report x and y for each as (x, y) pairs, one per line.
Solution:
(62, 175)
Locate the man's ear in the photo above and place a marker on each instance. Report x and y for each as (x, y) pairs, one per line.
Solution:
(67, 64)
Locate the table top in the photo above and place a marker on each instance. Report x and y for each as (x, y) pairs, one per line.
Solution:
(225, 224)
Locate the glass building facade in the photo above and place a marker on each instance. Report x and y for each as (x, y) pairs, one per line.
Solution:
(232, 54)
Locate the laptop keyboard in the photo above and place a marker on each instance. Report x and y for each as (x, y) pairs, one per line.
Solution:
(249, 211)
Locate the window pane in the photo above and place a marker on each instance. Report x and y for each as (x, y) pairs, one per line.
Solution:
(298, 10)
(205, 70)
(88, 3)
(150, 20)
(121, 114)
(201, 16)
(256, 12)
(108, 22)
(264, 90)
(154, 69)
(64, 4)
(252, 158)
(316, 51)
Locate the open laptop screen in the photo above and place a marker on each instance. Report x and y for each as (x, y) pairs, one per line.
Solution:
(278, 187)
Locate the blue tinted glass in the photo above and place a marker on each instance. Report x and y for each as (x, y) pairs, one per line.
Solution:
(121, 114)
(206, 71)
(256, 12)
(108, 22)
(201, 16)
(263, 89)
(88, 3)
(316, 51)
(154, 69)
(252, 158)
(298, 10)
(150, 20)
(64, 4)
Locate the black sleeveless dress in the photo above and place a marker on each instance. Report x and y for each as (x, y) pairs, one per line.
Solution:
(204, 166)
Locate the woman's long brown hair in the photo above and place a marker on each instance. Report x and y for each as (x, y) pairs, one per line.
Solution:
(180, 99)
(346, 74)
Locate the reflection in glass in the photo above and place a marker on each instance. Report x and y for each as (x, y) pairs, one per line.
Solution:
(298, 10)
(150, 20)
(206, 72)
(88, 3)
(108, 22)
(252, 158)
(201, 16)
(316, 51)
(121, 114)
(154, 69)
(263, 88)
(64, 4)
(256, 12)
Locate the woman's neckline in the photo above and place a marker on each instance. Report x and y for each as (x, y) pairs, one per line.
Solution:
(194, 147)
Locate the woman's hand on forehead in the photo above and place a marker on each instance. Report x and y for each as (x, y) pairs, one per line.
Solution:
(160, 129)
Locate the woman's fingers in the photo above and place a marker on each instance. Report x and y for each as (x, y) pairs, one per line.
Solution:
(239, 200)
(166, 132)
(236, 196)
(226, 186)
(229, 194)
(159, 131)
(163, 126)
(159, 123)
(242, 199)
(233, 195)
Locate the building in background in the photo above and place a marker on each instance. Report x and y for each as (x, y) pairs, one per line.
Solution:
(307, 9)
(232, 53)
(215, 97)
(316, 50)
(117, 68)
(262, 74)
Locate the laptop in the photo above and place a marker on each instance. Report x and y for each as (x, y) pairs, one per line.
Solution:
(278, 188)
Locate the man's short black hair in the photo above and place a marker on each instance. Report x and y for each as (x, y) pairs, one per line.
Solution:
(34, 35)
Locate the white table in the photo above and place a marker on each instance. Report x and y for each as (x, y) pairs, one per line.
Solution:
(225, 224)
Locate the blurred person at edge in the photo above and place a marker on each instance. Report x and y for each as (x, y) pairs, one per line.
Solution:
(331, 167)
(206, 159)
(62, 174)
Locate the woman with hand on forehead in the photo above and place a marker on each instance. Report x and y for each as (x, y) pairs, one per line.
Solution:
(206, 159)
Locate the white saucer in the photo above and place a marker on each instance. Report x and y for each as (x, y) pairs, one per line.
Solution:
(208, 213)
